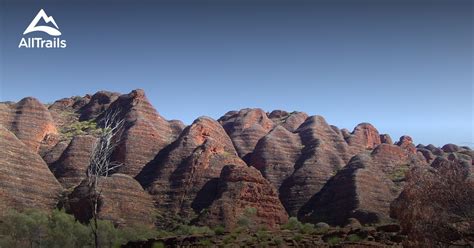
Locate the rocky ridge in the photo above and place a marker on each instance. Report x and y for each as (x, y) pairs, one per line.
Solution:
(280, 163)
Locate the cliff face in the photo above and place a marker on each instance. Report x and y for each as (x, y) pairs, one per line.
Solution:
(25, 180)
(241, 188)
(182, 177)
(29, 120)
(279, 163)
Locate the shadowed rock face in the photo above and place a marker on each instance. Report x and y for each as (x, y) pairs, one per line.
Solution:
(29, 120)
(363, 189)
(276, 154)
(123, 201)
(25, 180)
(182, 177)
(386, 139)
(146, 132)
(245, 128)
(240, 188)
(359, 191)
(98, 103)
(324, 152)
(67, 109)
(71, 167)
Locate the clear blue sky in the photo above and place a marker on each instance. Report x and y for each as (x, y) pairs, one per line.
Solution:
(404, 66)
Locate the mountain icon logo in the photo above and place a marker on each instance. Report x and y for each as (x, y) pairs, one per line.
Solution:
(47, 29)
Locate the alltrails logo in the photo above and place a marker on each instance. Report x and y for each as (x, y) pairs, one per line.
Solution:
(38, 42)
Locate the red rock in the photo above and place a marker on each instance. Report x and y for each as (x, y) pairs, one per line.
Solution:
(177, 127)
(365, 136)
(324, 152)
(276, 154)
(364, 189)
(245, 128)
(427, 154)
(145, 134)
(71, 104)
(71, 167)
(450, 148)
(29, 120)
(183, 177)
(98, 103)
(52, 155)
(25, 180)
(122, 201)
(386, 139)
(360, 190)
(406, 143)
(290, 121)
(241, 188)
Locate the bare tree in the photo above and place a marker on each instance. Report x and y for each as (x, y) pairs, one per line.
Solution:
(100, 164)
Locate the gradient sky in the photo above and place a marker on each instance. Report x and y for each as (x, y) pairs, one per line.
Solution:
(404, 66)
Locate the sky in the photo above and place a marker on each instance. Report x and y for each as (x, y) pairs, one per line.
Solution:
(406, 66)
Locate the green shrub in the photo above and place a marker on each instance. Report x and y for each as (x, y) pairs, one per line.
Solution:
(278, 241)
(246, 219)
(334, 240)
(307, 228)
(158, 245)
(29, 227)
(298, 237)
(354, 238)
(219, 230)
(80, 128)
(33, 228)
(65, 231)
(192, 230)
(205, 242)
(294, 224)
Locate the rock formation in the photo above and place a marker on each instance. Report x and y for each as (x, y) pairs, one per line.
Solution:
(290, 121)
(29, 120)
(241, 188)
(70, 169)
(145, 134)
(324, 153)
(276, 154)
(98, 103)
(183, 176)
(359, 191)
(211, 172)
(245, 128)
(25, 180)
(363, 189)
(122, 201)
(365, 136)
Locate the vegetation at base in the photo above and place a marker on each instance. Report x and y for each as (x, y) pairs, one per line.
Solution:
(193, 230)
(294, 224)
(33, 228)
